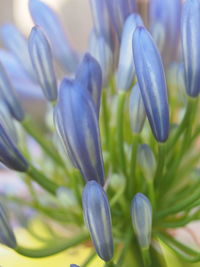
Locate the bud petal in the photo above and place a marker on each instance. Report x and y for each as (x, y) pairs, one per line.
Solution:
(74, 265)
(47, 19)
(98, 219)
(89, 74)
(190, 46)
(77, 124)
(146, 161)
(141, 212)
(9, 154)
(165, 18)
(152, 84)
(119, 10)
(101, 51)
(6, 233)
(41, 57)
(8, 94)
(126, 68)
(136, 110)
(15, 42)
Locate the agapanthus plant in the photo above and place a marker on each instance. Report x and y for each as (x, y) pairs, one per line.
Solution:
(119, 160)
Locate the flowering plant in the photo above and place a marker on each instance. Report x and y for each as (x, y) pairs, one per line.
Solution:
(120, 164)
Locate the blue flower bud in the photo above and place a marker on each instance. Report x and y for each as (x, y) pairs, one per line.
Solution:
(45, 17)
(147, 161)
(77, 125)
(74, 265)
(41, 57)
(9, 153)
(7, 122)
(89, 74)
(98, 219)
(119, 10)
(165, 19)
(101, 51)
(190, 46)
(152, 84)
(141, 213)
(136, 110)
(7, 236)
(16, 43)
(126, 68)
(8, 95)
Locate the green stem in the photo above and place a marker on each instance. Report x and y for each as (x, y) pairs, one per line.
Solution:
(161, 164)
(37, 135)
(42, 180)
(133, 185)
(120, 130)
(151, 191)
(54, 248)
(146, 257)
(127, 242)
(105, 119)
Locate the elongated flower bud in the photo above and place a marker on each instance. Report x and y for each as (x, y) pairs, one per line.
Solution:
(152, 84)
(119, 10)
(7, 236)
(165, 19)
(74, 265)
(146, 161)
(98, 219)
(101, 51)
(141, 213)
(136, 110)
(41, 57)
(8, 94)
(48, 20)
(15, 42)
(77, 125)
(9, 153)
(126, 68)
(190, 45)
(89, 74)
(7, 122)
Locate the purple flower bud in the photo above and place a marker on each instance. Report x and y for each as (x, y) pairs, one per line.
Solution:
(191, 47)
(126, 68)
(141, 213)
(74, 265)
(101, 51)
(7, 236)
(98, 219)
(16, 43)
(147, 161)
(41, 57)
(8, 95)
(152, 84)
(89, 74)
(119, 10)
(77, 125)
(48, 20)
(9, 154)
(136, 110)
(165, 18)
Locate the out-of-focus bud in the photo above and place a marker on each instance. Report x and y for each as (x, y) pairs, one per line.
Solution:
(146, 161)
(46, 18)
(74, 265)
(190, 46)
(9, 153)
(16, 43)
(117, 181)
(41, 57)
(8, 95)
(119, 10)
(152, 84)
(7, 236)
(7, 121)
(77, 125)
(165, 20)
(141, 213)
(136, 110)
(126, 68)
(89, 75)
(66, 197)
(98, 219)
(101, 51)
